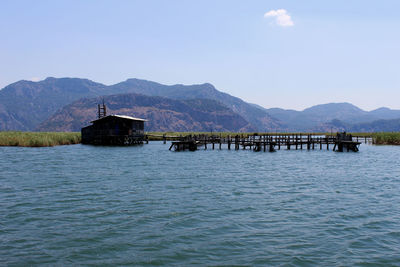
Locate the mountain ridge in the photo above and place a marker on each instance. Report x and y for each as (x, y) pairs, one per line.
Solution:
(24, 105)
(313, 117)
(163, 114)
(42, 99)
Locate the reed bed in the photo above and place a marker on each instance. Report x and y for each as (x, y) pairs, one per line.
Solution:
(386, 138)
(39, 139)
(46, 139)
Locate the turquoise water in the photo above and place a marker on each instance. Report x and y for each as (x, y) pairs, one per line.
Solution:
(145, 205)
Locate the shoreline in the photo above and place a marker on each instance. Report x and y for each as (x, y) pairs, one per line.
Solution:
(49, 139)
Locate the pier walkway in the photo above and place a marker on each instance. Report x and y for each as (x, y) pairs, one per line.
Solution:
(339, 142)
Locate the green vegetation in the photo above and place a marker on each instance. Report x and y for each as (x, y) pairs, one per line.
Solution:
(44, 139)
(386, 138)
(38, 139)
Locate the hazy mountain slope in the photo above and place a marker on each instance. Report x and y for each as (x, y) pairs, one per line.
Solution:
(344, 111)
(385, 113)
(24, 104)
(377, 126)
(291, 120)
(257, 116)
(314, 117)
(374, 126)
(163, 114)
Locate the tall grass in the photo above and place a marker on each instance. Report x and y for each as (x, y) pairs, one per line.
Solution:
(385, 138)
(38, 139)
(43, 139)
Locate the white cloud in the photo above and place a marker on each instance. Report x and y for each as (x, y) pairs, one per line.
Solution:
(282, 18)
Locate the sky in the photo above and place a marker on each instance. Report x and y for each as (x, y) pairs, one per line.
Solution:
(285, 53)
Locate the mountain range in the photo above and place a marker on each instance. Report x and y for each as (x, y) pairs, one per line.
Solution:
(163, 114)
(320, 117)
(67, 104)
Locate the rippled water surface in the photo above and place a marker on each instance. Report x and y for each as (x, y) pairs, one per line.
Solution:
(145, 205)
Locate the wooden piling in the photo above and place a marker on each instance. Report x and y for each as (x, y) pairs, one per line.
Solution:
(279, 142)
(301, 142)
(342, 142)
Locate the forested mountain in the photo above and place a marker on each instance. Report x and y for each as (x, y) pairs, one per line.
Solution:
(163, 114)
(27, 106)
(258, 117)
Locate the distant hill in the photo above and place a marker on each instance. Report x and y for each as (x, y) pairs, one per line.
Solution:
(25, 104)
(374, 126)
(257, 116)
(320, 116)
(163, 114)
(385, 113)
(344, 111)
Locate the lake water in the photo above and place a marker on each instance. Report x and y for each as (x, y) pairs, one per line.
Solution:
(145, 205)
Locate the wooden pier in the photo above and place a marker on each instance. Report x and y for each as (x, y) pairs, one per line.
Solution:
(340, 142)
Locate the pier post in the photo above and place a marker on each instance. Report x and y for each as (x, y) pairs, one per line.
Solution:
(312, 140)
(236, 142)
(250, 140)
(279, 142)
(271, 145)
(301, 142)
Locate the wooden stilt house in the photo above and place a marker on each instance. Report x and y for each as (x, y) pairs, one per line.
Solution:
(113, 130)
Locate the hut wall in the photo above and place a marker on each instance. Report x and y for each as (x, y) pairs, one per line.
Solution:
(111, 130)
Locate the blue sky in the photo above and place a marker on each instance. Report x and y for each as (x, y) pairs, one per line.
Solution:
(318, 52)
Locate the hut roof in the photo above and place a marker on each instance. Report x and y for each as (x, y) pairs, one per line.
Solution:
(120, 117)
